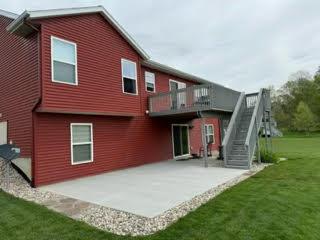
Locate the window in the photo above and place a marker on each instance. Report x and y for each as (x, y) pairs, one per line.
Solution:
(64, 61)
(81, 143)
(150, 82)
(129, 76)
(209, 133)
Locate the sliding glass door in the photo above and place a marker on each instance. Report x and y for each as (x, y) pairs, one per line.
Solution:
(180, 140)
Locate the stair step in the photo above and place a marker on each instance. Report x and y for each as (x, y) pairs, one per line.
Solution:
(238, 152)
(246, 117)
(240, 137)
(238, 142)
(243, 133)
(238, 157)
(237, 167)
(237, 163)
(245, 121)
(242, 130)
(238, 148)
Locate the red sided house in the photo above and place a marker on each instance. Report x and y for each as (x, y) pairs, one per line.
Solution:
(80, 97)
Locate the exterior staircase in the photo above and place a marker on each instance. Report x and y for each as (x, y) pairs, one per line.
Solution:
(239, 156)
(242, 137)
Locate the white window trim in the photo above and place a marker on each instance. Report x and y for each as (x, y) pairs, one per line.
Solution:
(83, 143)
(211, 134)
(154, 84)
(171, 80)
(122, 76)
(172, 141)
(75, 64)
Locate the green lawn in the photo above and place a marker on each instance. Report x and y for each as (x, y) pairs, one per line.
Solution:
(282, 202)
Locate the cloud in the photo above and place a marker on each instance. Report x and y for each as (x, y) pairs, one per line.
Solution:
(245, 44)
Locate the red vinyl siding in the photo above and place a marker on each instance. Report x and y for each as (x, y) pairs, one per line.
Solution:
(195, 134)
(118, 142)
(19, 85)
(99, 51)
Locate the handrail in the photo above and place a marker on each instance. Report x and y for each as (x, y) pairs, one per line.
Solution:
(233, 125)
(253, 118)
(233, 118)
(194, 98)
(181, 90)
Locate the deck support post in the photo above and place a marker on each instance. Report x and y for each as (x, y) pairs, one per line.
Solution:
(270, 139)
(257, 144)
(265, 121)
(204, 141)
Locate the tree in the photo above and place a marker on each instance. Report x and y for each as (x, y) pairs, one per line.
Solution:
(304, 120)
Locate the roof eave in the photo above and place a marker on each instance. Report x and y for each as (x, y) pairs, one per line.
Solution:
(175, 72)
(14, 25)
(178, 73)
(8, 14)
(32, 15)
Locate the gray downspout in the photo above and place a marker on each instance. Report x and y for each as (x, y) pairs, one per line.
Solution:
(204, 142)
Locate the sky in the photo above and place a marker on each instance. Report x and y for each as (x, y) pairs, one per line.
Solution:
(244, 45)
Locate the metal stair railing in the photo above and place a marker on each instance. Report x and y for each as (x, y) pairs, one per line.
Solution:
(233, 126)
(255, 124)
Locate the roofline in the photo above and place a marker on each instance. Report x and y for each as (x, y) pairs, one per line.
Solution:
(30, 15)
(8, 14)
(170, 70)
(175, 72)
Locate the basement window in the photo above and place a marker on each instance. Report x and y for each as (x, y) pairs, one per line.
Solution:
(64, 61)
(129, 77)
(150, 80)
(209, 133)
(81, 143)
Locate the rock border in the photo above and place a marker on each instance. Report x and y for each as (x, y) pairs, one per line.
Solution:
(108, 219)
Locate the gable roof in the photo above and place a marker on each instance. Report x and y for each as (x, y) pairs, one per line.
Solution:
(20, 27)
(19, 22)
(8, 14)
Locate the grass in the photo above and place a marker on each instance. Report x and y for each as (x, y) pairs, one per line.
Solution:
(282, 202)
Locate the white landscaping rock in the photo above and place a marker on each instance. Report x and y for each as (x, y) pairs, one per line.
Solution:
(112, 220)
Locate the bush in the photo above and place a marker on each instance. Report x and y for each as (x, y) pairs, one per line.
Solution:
(268, 156)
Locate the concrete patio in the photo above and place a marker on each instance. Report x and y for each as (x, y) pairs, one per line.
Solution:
(148, 190)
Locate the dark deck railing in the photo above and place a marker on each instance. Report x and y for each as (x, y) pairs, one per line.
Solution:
(192, 99)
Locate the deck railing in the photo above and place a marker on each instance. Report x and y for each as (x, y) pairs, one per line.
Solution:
(194, 98)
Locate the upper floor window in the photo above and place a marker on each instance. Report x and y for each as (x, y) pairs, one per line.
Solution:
(129, 77)
(64, 61)
(150, 82)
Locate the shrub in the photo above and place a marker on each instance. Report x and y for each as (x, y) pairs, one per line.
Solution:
(268, 156)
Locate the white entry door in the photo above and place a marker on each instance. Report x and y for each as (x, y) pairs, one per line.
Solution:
(3, 133)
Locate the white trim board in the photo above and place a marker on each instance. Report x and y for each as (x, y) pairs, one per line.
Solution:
(8, 14)
(3, 133)
(30, 15)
